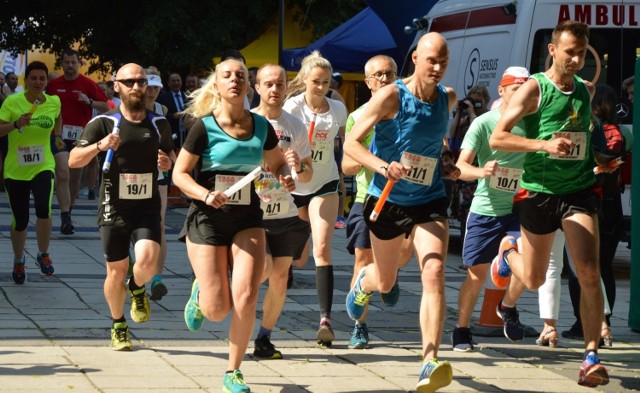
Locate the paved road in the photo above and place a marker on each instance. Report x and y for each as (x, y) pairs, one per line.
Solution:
(54, 333)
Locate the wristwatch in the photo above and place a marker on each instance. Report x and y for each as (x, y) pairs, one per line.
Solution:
(302, 168)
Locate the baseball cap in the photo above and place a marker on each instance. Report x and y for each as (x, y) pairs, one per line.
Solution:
(512, 75)
(154, 80)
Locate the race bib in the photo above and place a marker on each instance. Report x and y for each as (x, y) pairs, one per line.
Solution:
(136, 185)
(579, 140)
(241, 197)
(505, 179)
(274, 209)
(30, 155)
(422, 168)
(71, 132)
(320, 151)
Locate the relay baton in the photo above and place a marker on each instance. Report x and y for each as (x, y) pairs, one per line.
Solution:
(107, 161)
(312, 125)
(36, 102)
(242, 182)
(383, 198)
(611, 164)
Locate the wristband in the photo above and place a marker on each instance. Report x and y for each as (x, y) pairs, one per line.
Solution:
(302, 168)
(15, 125)
(98, 145)
(206, 197)
(386, 168)
(90, 102)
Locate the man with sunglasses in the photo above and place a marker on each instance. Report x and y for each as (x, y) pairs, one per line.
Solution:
(79, 95)
(129, 203)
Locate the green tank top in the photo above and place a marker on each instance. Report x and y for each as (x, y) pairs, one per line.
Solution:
(560, 114)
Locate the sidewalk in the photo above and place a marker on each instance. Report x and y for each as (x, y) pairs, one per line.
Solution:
(54, 332)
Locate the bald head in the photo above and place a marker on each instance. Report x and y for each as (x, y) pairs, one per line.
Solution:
(431, 58)
(128, 70)
(433, 41)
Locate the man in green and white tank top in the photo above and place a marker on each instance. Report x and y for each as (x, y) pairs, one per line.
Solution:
(557, 182)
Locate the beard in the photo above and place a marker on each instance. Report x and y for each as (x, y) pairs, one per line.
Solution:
(133, 103)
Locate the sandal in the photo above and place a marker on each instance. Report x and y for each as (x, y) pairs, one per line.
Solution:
(606, 340)
(549, 338)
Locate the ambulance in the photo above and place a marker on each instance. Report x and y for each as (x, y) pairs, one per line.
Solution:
(485, 37)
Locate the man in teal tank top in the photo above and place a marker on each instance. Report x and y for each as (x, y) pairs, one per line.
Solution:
(557, 182)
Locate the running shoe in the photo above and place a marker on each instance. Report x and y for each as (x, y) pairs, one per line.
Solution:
(500, 270)
(359, 337)
(192, 314)
(513, 329)
(140, 309)
(66, 225)
(341, 223)
(91, 195)
(391, 298)
(575, 332)
(120, 340)
(234, 383)
(264, 349)
(357, 299)
(434, 375)
(158, 290)
(45, 263)
(462, 339)
(19, 275)
(592, 372)
(325, 334)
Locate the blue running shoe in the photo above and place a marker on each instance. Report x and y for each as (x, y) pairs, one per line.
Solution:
(391, 298)
(500, 270)
(513, 329)
(359, 337)
(592, 372)
(357, 300)
(434, 375)
(192, 314)
(234, 383)
(44, 262)
(18, 274)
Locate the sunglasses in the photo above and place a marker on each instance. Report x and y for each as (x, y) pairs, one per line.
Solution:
(131, 82)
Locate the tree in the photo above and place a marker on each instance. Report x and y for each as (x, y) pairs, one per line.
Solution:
(181, 36)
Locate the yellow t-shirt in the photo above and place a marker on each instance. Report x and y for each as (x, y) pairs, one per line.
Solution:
(29, 151)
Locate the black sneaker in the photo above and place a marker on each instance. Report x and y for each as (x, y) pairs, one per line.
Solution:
(66, 226)
(575, 332)
(91, 195)
(513, 329)
(462, 340)
(264, 349)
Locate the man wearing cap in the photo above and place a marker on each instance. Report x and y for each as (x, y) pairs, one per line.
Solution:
(490, 217)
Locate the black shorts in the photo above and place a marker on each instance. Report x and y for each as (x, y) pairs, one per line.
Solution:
(68, 146)
(287, 237)
(395, 220)
(541, 213)
(357, 229)
(217, 227)
(117, 237)
(304, 200)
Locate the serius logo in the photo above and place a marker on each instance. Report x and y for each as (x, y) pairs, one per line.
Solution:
(472, 71)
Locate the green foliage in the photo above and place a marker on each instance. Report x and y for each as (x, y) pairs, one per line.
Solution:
(180, 36)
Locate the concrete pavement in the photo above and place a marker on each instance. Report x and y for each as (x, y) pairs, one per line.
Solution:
(54, 332)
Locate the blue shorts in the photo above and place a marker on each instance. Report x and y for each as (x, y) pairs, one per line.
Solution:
(357, 229)
(483, 235)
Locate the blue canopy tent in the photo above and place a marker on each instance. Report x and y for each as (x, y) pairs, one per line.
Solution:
(398, 14)
(349, 46)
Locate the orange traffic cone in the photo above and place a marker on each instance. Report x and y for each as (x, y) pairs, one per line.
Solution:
(488, 315)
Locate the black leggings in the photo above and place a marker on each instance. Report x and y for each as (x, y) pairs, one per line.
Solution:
(18, 191)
